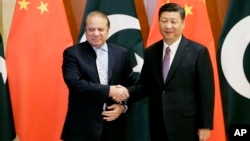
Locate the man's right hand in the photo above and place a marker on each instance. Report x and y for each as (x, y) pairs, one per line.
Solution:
(118, 93)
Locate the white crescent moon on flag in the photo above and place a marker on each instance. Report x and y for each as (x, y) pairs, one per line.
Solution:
(3, 69)
(121, 22)
(232, 55)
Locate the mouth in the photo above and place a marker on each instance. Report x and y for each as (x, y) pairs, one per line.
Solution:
(168, 31)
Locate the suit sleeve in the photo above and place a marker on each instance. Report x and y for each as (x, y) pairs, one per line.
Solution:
(206, 90)
(78, 85)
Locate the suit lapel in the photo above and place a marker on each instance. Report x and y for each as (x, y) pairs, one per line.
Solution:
(111, 61)
(89, 54)
(90, 51)
(155, 61)
(178, 58)
(158, 61)
(92, 56)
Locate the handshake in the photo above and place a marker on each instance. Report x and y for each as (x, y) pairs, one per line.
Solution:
(118, 93)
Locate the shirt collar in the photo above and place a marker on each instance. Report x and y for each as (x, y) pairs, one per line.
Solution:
(104, 47)
(173, 47)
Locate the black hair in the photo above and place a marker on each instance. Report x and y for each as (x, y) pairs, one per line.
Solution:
(172, 7)
(99, 13)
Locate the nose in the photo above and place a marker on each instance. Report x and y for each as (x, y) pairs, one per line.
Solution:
(167, 25)
(96, 32)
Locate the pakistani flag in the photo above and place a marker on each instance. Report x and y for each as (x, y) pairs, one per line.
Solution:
(7, 129)
(125, 30)
(234, 64)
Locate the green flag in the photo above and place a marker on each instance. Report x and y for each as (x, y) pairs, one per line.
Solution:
(7, 129)
(125, 30)
(234, 64)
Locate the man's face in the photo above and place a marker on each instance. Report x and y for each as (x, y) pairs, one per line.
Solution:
(96, 30)
(171, 26)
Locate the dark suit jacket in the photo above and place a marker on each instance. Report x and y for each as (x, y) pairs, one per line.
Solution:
(185, 102)
(84, 121)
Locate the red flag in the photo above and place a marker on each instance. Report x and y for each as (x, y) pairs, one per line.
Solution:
(39, 33)
(197, 28)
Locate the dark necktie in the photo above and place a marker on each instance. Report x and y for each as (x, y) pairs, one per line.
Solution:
(165, 64)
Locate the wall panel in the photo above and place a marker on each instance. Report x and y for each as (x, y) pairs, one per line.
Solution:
(216, 12)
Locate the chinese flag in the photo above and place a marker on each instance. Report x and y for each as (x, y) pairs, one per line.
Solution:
(39, 33)
(197, 28)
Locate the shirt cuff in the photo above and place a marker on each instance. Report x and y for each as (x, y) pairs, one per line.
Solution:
(125, 108)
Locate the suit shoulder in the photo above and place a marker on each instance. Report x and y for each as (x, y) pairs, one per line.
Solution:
(117, 47)
(72, 47)
(76, 46)
(194, 43)
(195, 46)
(154, 46)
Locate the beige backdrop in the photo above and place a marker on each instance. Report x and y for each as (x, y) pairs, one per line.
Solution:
(6, 11)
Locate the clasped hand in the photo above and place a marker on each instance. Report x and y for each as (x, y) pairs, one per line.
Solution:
(118, 93)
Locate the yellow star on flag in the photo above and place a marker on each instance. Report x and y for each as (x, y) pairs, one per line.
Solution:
(23, 5)
(43, 7)
(188, 9)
